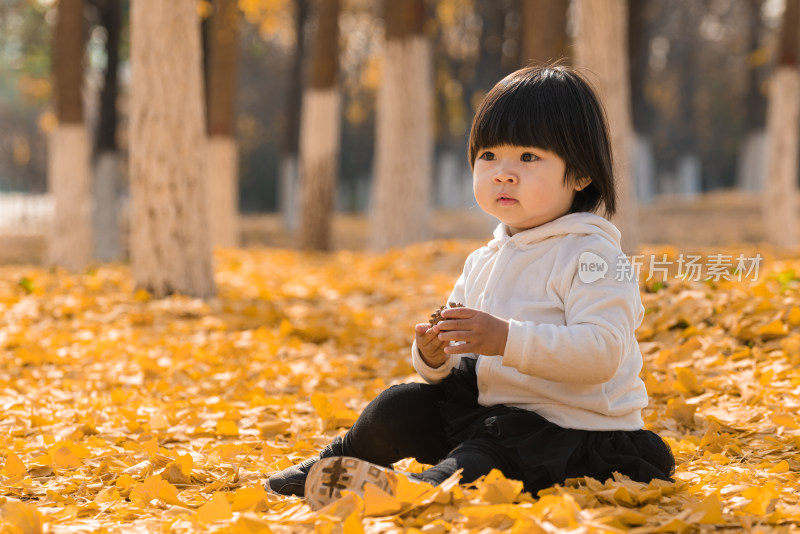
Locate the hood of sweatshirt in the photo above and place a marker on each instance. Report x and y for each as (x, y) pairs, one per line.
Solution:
(581, 223)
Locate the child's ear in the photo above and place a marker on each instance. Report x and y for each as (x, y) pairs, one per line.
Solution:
(581, 183)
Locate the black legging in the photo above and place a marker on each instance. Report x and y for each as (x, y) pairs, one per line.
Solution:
(404, 421)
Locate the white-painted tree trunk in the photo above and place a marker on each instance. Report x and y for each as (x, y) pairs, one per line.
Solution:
(106, 206)
(454, 182)
(752, 162)
(223, 190)
(783, 115)
(402, 193)
(290, 192)
(689, 175)
(170, 245)
(70, 243)
(601, 47)
(319, 161)
(644, 170)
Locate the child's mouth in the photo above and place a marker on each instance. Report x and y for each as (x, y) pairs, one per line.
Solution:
(505, 200)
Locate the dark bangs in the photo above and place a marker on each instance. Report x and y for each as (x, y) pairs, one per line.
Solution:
(555, 109)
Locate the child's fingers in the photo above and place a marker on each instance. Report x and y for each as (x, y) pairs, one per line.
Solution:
(455, 335)
(458, 313)
(430, 343)
(454, 324)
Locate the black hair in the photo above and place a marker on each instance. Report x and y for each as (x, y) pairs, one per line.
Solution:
(554, 108)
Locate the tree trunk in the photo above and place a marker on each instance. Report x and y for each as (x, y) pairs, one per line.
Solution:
(544, 31)
(70, 243)
(640, 31)
(289, 173)
(320, 132)
(783, 116)
(490, 54)
(107, 165)
(601, 47)
(751, 162)
(688, 169)
(401, 195)
(223, 158)
(170, 249)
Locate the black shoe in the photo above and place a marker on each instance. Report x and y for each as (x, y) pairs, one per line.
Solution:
(292, 481)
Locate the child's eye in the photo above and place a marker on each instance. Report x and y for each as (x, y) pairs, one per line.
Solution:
(527, 156)
(488, 156)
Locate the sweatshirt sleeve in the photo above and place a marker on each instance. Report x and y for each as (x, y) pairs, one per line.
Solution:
(430, 374)
(601, 316)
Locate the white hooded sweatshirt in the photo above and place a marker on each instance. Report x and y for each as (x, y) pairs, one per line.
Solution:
(573, 305)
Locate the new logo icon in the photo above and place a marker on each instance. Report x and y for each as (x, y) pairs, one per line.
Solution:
(591, 267)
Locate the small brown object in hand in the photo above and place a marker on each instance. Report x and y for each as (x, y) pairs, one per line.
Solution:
(436, 317)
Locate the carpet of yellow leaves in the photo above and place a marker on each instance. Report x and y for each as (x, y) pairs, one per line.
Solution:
(121, 413)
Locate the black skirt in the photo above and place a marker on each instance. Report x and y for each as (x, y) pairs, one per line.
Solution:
(546, 453)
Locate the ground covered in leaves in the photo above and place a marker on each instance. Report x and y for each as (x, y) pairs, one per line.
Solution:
(122, 413)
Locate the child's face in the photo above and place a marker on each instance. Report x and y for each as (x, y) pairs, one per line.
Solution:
(522, 186)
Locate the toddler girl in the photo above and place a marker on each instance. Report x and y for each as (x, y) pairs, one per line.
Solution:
(538, 374)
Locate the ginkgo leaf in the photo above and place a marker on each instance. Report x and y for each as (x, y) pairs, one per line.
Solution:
(64, 457)
(154, 487)
(226, 427)
(785, 419)
(22, 517)
(562, 511)
(179, 471)
(13, 466)
(681, 412)
(775, 328)
(492, 515)
(676, 525)
(497, 489)
(687, 381)
(352, 524)
(158, 422)
(780, 467)
(216, 509)
(333, 411)
(794, 316)
(379, 503)
(710, 508)
(250, 524)
(255, 499)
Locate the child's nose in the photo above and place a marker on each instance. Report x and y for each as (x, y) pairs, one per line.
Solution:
(505, 176)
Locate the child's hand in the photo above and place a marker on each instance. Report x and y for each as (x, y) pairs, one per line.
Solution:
(481, 332)
(430, 347)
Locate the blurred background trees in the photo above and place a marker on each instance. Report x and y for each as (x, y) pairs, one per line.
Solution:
(107, 18)
(698, 76)
(68, 173)
(400, 212)
(221, 66)
(602, 48)
(320, 129)
(783, 116)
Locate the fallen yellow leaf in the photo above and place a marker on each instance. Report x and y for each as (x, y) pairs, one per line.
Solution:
(216, 509)
(710, 508)
(255, 499)
(226, 427)
(379, 503)
(13, 466)
(23, 517)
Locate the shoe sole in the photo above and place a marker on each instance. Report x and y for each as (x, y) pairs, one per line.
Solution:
(330, 476)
